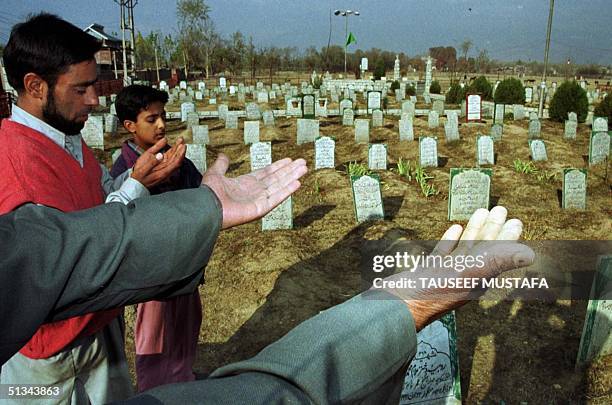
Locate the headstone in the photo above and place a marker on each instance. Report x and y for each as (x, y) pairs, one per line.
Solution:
(485, 154)
(600, 124)
(185, 109)
(362, 131)
(324, 153)
(111, 122)
(498, 113)
(433, 120)
(93, 132)
(533, 116)
(528, 94)
(192, 119)
(197, 154)
(428, 151)
(377, 118)
(231, 120)
(408, 108)
(469, 190)
(596, 339)
(396, 68)
(433, 374)
(473, 107)
(200, 134)
(183, 84)
(345, 103)
(222, 82)
(451, 128)
(262, 97)
(574, 188)
(438, 106)
(377, 156)
(534, 129)
(308, 106)
(252, 111)
(497, 131)
(222, 110)
(537, 148)
(406, 130)
(599, 147)
(570, 129)
(280, 217)
(251, 132)
(102, 101)
(348, 117)
(307, 130)
(321, 107)
(113, 109)
(367, 198)
(268, 118)
(201, 86)
(374, 101)
(199, 96)
(261, 155)
(572, 116)
(519, 112)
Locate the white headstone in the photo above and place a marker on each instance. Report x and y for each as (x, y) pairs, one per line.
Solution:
(534, 129)
(111, 123)
(197, 154)
(268, 118)
(307, 130)
(377, 118)
(261, 155)
(185, 109)
(93, 132)
(428, 152)
(348, 117)
(599, 147)
(538, 150)
(377, 156)
(231, 120)
(600, 124)
(362, 131)
(433, 119)
(324, 153)
(468, 191)
(367, 198)
(570, 129)
(406, 130)
(251, 132)
(574, 189)
(200, 134)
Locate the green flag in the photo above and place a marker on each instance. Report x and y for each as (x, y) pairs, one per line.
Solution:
(351, 39)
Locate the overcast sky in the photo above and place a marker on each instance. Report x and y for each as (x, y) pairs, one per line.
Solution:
(508, 29)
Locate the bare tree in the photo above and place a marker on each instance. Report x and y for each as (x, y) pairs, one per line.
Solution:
(465, 48)
(197, 34)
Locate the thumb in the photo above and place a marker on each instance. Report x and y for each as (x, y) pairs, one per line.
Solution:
(158, 146)
(220, 165)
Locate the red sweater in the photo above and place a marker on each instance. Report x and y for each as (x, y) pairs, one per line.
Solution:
(34, 169)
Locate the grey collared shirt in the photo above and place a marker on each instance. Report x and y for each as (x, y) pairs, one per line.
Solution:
(122, 189)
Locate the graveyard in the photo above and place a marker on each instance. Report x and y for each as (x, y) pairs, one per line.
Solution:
(264, 278)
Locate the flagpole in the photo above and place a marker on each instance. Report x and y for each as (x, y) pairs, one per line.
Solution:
(346, 41)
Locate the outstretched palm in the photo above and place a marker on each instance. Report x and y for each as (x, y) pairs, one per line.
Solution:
(251, 196)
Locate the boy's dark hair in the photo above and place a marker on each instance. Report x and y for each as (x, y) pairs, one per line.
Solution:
(46, 45)
(135, 98)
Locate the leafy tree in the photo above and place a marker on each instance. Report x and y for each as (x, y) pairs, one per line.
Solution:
(569, 97)
(510, 91)
(455, 95)
(446, 57)
(435, 87)
(604, 108)
(481, 86)
(197, 34)
(379, 70)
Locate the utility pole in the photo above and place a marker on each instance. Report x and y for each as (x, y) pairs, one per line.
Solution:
(127, 12)
(130, 6)
(156, 64)
(543, 85)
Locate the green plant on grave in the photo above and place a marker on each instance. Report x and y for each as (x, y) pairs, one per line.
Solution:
(404, 169)
(510, 91)
(317, 82)
(569, 97)
(546, 176)
(428, 189)
(379, 70)
(455, 94)
(410, 90)
(357, 169)
(604, 108)
(435, 87)
(422, 178)
(481, 86)
(395, 85)
(421, 175)
(524, 167)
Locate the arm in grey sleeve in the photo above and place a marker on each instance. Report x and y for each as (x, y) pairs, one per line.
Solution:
(123, 188)
(56, 265)
(343, 355)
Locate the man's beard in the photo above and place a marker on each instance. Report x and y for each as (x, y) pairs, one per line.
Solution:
(54, 118)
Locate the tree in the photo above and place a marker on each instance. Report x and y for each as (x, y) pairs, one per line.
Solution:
(197, 34)
(465, 48)
(236, 53)
(270, 60)
(446, 57)
(145, 49)
(252, 58)
(483, 61)
(569, 97)
(510, 91)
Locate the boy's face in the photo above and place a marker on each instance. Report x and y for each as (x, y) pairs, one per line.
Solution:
(150, 125)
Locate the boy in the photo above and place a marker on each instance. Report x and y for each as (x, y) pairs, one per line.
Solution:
(166, 332)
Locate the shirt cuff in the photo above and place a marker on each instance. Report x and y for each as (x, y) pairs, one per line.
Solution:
(133, 188)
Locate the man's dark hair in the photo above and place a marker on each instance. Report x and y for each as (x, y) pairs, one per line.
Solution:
(46, 45)
(135, 98)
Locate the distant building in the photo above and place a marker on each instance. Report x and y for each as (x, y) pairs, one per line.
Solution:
(110, 57)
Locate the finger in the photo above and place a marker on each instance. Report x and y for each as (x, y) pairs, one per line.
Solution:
(277, 197)
(271, 169)
(220, 165)
(493, 224)
(158, 146)
(145, 164)
(289, 172)
(448, 241)
(502, 256)
(475, 224)
(511, 230)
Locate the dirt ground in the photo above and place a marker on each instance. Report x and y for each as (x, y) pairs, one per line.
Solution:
(259, 285)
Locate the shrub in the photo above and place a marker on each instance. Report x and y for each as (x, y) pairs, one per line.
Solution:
(395, 85)
(379, 70)
(410, 91)
(455, 94)
(435, 88)
(604, 108)
(481, 86)
(510, 91)
(317, 82)
(569, 97)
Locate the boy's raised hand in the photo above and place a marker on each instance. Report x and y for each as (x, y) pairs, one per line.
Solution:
(251, 196)
(153, 167)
